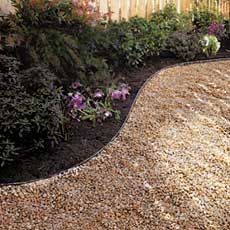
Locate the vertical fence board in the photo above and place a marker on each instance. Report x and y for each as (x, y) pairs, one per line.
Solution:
(133, 8)
(178, 5)
(115, 8)
(125, 9)
(161, 4)
(129, 8)
(103, 6)
(141, 8)
(150, 8)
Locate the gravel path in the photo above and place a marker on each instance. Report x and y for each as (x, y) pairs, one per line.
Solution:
(168, 169)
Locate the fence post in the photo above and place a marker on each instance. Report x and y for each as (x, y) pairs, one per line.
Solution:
(178, 6)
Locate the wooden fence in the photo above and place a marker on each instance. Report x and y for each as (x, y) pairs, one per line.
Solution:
(128, 8)
(124, 9)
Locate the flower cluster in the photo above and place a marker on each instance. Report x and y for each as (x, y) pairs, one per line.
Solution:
(210, 45)
(87, 10)
(216, 29)
(94, 105)
(120, 93)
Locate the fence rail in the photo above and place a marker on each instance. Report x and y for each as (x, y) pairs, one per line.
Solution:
(124, 9)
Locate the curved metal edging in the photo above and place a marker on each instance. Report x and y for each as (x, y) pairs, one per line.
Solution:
(122, 126)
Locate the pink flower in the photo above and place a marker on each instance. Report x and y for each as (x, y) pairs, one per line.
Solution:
(116, 94)
(216, 29)
(121, 93)
(76, 85)
(124, 91)
(98, 94)
(77, 102)
(75, 2)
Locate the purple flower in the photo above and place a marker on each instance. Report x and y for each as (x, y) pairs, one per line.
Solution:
(124, 91)
(216, 29)
(77, 102)
(98, 94)
(116, 94)
(121, 93)
(76, 85)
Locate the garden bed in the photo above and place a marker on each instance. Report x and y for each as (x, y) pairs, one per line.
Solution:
(88, 140)
(167, 168)
(69, 76)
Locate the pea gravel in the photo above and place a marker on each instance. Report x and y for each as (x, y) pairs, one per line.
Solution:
(169, 168)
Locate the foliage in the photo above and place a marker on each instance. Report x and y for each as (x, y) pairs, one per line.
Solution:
(39, 12)
(118, 45)
(150, 36)
(169, 20)
(45, 12)
(202, 17)
(184, 45)
(130, 43)
(31, 115)
(55, 49)
(210, 45)
(61, 45)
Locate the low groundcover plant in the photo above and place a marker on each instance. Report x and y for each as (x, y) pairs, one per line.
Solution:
(96, 106)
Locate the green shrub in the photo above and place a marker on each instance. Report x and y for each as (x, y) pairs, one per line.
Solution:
(55, 49)
(150, 36)
(31, 115)
(184, 45)
(169, 20)
(49, 33)
(202, 16)
(37, 13)
(130, 43)
(118, 45)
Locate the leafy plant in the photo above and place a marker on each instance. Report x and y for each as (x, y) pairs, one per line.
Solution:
(210, 45)
(57, 50)
(129, 44)
(58, 34)
(184, 45)
(169, 20)
(31, 115)
(202, 16)
(40, 12)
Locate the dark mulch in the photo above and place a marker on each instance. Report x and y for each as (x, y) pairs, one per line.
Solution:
(87, 139)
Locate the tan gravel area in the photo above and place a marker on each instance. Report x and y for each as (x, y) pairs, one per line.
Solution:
(169, 168)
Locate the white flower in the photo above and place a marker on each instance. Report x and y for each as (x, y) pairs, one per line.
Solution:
(205, 41)
(218, 46)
